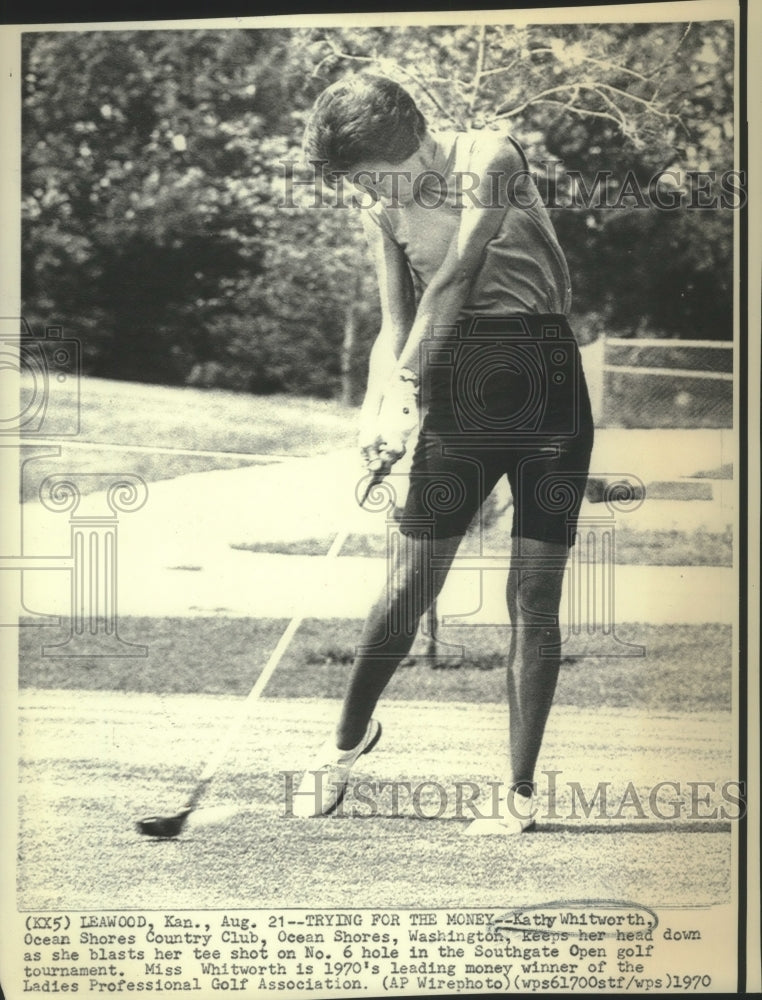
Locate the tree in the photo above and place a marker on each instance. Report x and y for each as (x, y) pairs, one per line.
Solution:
(631, 100)
(129, 238)
(158, 225)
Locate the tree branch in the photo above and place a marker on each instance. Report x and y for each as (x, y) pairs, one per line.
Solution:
(585, 111)
(612, 104)
(510, 112)
(673, 53)
(477, 79)
(567, 106)
(499, 69)
(604, 63)
(647, 103)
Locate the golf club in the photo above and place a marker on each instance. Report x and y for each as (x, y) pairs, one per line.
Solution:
(379, 473)
(172, 826)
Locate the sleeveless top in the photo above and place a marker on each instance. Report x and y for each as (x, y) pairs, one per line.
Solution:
(524, 269)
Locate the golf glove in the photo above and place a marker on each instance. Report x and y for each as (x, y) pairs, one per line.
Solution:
(383, 439)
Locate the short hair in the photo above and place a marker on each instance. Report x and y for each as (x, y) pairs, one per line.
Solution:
(362, 117)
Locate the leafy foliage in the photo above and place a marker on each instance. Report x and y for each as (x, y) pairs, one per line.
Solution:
(165, 225)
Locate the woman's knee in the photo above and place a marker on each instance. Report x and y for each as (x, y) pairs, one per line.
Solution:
(536, 598)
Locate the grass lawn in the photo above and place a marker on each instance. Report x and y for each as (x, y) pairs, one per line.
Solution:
(94, 762)
(633, 547)
(686, 668)
(132, 414)
(248, 429)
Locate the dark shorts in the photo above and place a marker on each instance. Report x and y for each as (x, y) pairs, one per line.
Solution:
(505, 397)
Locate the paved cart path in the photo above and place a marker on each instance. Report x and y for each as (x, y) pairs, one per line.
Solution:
(180, 553)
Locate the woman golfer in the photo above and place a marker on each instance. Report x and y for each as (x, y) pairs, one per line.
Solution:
(474, 294)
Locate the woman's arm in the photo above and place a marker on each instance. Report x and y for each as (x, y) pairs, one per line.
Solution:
(397, 316)
(493, 156)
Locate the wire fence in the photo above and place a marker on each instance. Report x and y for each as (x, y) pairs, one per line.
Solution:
(648, 382)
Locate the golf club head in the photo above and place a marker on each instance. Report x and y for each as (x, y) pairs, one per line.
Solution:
(163, 826)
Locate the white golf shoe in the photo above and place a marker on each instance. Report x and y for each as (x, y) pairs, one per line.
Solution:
(516, 815)
(324, 783)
